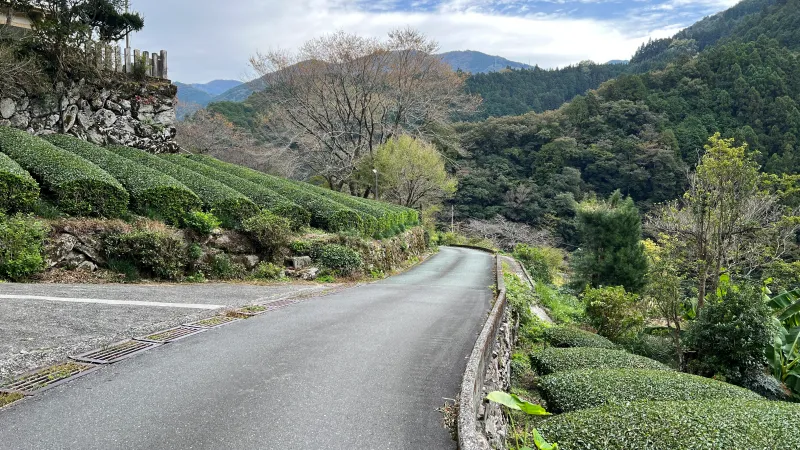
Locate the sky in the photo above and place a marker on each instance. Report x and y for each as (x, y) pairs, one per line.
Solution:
(212, 39)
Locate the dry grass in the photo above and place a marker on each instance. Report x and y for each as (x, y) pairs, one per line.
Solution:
(7, 399)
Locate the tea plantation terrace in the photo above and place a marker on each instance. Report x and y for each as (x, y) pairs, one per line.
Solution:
(82, 179)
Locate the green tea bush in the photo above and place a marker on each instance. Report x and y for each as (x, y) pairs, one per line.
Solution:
(659, 347)
(325, 213)
(77, 186)
(161, 253)
(260, 195)
(342, 260)
(679, 425)
(300, 248)
(152, 193)
(581, 389)
(731, 333)
(18, 190)
(551, 360)
(21, 242)
(228, 205)
(203, 223)
(268, 271)
(613, 312)
(269, 230)
(565, 336)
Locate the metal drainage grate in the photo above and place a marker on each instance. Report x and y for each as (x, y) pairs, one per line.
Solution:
(173, 334)
(46, 378)
(250, 311)
(115, 352)
(212, 322)
(280, 304)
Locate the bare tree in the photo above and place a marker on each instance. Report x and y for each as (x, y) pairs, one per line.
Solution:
(343, 95)
(506, 234)
(211, 133)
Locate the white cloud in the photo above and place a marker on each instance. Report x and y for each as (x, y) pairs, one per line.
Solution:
(208, 40)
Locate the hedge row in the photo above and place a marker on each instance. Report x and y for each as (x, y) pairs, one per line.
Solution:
(581, 389)
(679, 425)
(77, 186)
(18, 190)
(261, 196)
(562, 336)
(228, 205)
(152, 192)
(325, 213)
(552, 360)
(388, 219)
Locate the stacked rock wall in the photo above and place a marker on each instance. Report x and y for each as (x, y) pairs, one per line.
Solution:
(119, 111)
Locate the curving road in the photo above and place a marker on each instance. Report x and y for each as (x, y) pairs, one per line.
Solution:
(364, 368)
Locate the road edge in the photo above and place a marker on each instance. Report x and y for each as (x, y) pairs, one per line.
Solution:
(471, 395)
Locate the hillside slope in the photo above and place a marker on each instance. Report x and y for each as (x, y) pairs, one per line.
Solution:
(476, 62)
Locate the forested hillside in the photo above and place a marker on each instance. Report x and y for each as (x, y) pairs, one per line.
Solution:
(637, 133)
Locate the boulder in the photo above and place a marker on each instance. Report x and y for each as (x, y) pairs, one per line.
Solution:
(58, 249)
(248, 261)
(298, 262)
(232, 242)
(7, 108)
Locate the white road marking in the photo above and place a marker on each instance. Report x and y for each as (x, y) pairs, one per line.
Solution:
(112, 302)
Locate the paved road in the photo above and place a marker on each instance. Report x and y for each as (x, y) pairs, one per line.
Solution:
(364, 368)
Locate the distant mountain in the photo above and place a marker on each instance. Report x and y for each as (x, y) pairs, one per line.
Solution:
(217, 87)
(477, 62)
(190, 99)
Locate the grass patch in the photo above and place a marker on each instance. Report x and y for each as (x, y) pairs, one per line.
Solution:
(7, 399)
(564, 309)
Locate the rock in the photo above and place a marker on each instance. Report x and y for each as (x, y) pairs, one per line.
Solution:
(232, 242)
(70, 115)
(125, 104)
(7, 108)
(85, 120)
(5, 123)
(59, 248)
(92, 248)
(165, 118)
(52, 120)
(21, 120)
(87, 266)
(309, 274)
(94, 137)
(116, 107)
(72, 260)
(23, 104)
(248, 261)
(105, 117)
(298, 262)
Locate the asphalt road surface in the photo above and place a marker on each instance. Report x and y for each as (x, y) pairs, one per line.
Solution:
(364, 368)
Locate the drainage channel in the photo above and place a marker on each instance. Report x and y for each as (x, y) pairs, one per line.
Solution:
(34, 382)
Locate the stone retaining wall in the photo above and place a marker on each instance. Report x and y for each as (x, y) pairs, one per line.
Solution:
(119, 111)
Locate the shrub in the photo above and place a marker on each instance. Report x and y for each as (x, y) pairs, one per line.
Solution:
(563, 336)
(159, 252)
(581, 389)
(269, 230)
(342, 260)
(260, 195)
(228, 205)
(268, 271)
(325, 213)
(731, 333)
(222, 267)
(18, 190)
(201, 222)
(543, 263)
(300, 248)
(659, 347)
(519, 297)
(613, 312)
(551, 360)
(21, 242)
(152, 193)
(77, 186)
(680, 425)
(563, 308)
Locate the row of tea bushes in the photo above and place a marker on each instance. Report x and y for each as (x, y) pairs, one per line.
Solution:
(611, 399)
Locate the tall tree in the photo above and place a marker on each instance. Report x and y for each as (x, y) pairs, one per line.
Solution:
(343, 95)
(726, 221)
(611, 251)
